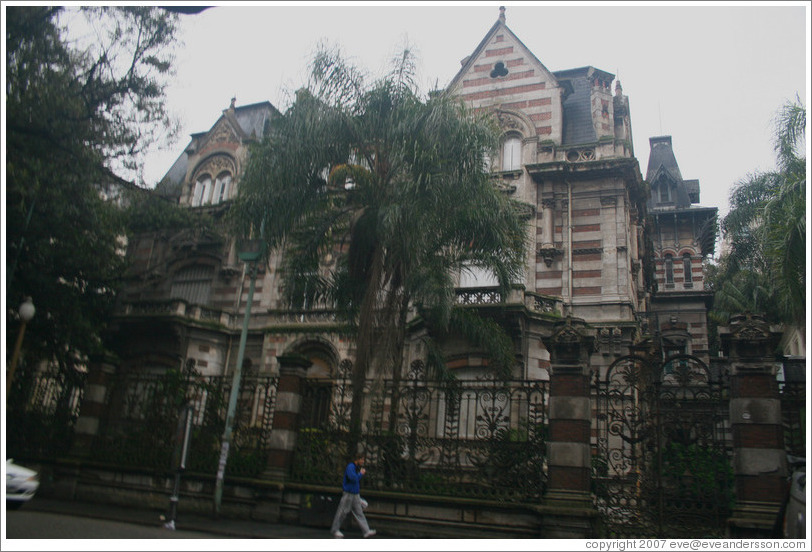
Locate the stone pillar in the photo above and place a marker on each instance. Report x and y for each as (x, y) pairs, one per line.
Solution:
(292, 373)
(759, 458)
(568, 450)
(100, 375)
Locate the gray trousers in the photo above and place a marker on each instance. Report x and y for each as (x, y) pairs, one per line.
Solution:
(350, 503)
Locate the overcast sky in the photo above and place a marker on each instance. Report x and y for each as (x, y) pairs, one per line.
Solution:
(711, 77)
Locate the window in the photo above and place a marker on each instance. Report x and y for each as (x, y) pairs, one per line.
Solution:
(206, 193)
(202, 190)
(665, 192)
(669, 270)
(499, 70)
(512, 154)
(193, 284)
(686, 269)
(474, 276)
(221, 188)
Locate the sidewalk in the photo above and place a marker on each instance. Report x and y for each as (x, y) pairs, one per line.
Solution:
(227, 527)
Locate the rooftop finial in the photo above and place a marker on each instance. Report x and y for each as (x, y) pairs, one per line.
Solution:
(233, 101)
(502, 13)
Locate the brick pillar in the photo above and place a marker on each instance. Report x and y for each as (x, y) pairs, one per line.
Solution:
(292, 372)
(568, 449)
(100, 375)
(759, 458)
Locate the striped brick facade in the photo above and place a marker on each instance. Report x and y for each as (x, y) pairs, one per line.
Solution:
(569, 452)
(292, 372)
(759, 457)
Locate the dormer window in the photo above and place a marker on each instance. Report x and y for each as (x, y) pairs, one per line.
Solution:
(212, 183)
(202, 190)
(665, 192)
(221, 188)
(206, 193)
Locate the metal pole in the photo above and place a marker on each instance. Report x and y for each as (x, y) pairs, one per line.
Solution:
(232, 401)
(185, 423)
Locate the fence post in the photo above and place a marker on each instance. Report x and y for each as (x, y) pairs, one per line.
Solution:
(100, 375)
(292, 372)
(568, 450)
(759, 458)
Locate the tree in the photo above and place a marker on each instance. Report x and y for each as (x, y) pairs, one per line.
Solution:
(76, 118)
(397, 185)
(766, 229)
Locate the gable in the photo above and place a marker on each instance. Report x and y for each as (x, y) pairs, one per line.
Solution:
(503, 74)
(223, 132)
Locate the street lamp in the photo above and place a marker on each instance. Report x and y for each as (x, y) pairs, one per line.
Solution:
(26, 311)
(252, 252)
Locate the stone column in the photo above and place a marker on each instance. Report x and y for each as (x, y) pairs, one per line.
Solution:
(292, 373)
(759, 458)
(568, 450)
(100, 375)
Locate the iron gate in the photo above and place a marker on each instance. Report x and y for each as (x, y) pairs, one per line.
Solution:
(662, 465)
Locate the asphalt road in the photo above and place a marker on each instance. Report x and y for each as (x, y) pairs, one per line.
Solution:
(22, 524)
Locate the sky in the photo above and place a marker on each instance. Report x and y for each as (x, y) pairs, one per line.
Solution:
(711, 75)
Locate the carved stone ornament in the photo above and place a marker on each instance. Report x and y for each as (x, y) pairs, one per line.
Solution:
(750, 327)
(223, 133)
(550, 254)
(215, 165)
(570, 344)
(508, 121)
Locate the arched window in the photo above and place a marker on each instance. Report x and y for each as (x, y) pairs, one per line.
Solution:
(221, 188)
(512, 154)
(193, 284)
(202, 191)
(665, 192)
(686, 269)
(669, 270)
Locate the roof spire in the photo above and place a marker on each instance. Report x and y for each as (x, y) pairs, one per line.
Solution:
(502, 14)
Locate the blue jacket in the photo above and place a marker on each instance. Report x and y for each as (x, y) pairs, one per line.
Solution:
(352, 479)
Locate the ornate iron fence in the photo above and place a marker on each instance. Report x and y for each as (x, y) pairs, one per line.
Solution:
(144, 409)
(793, 415)
(793, 405)
(662, 464)
(466, 438)
(41, 413)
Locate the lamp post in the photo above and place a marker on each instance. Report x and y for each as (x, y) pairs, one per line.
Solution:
(26, 311)
(252, 254)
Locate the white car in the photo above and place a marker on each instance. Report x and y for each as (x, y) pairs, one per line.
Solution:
(21, 484)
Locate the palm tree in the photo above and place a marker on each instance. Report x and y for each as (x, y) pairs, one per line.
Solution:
(766, 229)
(396, 185)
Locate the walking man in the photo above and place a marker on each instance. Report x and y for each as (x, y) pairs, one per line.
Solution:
(351, 499)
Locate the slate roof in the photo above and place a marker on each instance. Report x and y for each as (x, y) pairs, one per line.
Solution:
(577, 109)
(662, 158)
(662, 163)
